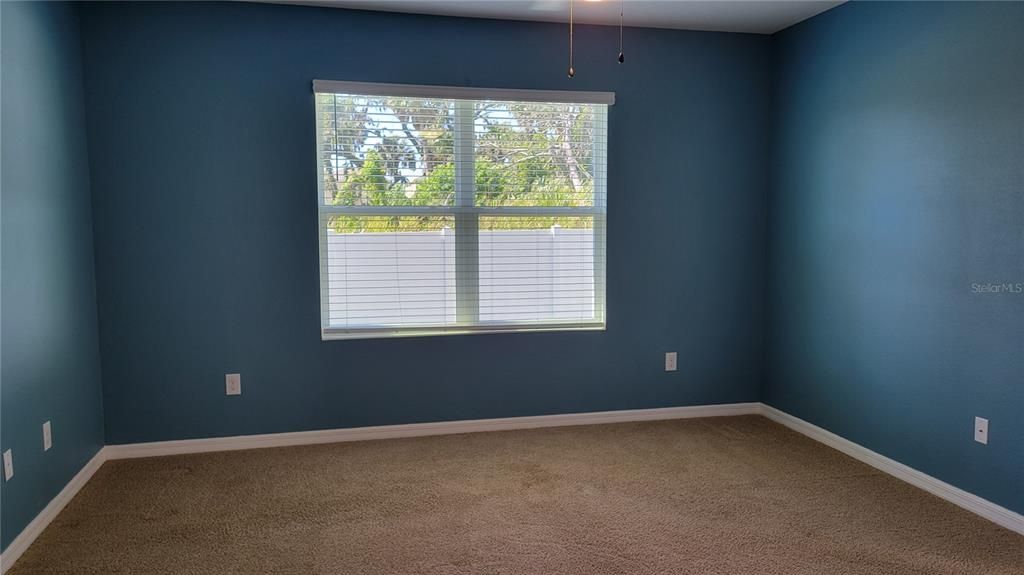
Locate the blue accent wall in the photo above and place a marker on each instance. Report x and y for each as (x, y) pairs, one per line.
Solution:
(899, 185)
(50, 346)
(201, 135)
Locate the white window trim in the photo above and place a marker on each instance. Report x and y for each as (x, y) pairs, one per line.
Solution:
(467, 214)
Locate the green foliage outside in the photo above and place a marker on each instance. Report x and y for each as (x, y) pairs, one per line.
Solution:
(400, 154)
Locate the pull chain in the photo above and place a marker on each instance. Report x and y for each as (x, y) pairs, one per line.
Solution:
(622, 58)
(572, 71)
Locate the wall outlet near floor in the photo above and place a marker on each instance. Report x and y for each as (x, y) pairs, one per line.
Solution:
(981, 430)
(670, 361)
(47, 436)
(233, 384)
(8, 465)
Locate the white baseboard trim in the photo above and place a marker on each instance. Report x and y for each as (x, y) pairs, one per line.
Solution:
(983, 507)
(31, 531)
(158, 448)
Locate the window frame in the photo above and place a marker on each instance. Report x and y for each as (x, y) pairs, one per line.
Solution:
(464, 210)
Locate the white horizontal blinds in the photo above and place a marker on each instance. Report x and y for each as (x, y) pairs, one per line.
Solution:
(393, 271)
(385, 268)
(542, 267)
(459, 214)
(534, 272)
(382, 152)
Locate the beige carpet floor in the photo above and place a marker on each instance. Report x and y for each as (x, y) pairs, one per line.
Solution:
(726, 495)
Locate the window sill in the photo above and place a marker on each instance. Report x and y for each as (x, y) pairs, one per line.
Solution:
(337, 334)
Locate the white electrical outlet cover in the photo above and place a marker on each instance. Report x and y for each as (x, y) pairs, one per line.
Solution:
(981, 430)
(233, 384)
(670, 361)
(47, 436)
(8, 465)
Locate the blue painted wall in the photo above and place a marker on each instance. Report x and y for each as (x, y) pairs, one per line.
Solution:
(201, 135)
(888, 135)
(899, 184)
(50, 345)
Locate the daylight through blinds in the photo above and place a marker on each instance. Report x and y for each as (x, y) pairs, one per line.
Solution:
(454, 215)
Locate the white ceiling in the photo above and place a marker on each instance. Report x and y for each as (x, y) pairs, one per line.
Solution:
(756, 16)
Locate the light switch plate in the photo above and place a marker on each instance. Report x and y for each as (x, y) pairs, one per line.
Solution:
(8, 465)
(47, 436)
(671, 361)
(981, 430)
(233, 384)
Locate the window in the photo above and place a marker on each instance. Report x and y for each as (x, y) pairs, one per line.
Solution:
(456, 210)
